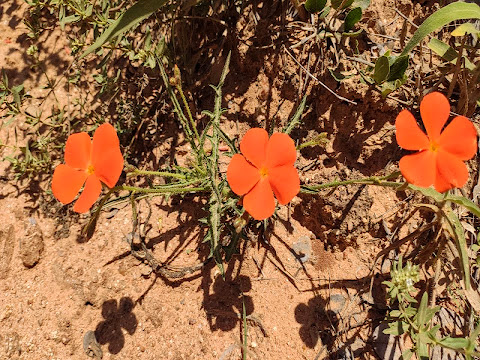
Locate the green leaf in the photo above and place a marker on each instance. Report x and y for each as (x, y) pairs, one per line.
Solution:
(296, 119)
(454, 343)
(352, 33)
(352, 18)
(461, 243)
(394, 328)
(422, 310)
(126, 21)
(422, 349)
(429, 192)
(397, 69)
(448, 53)
(346, 3)
(388, 86)
(382, 69)
(339, 76)
(324, 13)
(467, 28)
(363, 4)
(452, 12)
(406, 355)
(314, 6)
(466, 203)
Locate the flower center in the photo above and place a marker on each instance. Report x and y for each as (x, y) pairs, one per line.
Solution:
(263, 172)
(90, 169)
(434, 146)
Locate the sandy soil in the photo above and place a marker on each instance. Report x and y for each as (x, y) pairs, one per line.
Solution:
(54, 288)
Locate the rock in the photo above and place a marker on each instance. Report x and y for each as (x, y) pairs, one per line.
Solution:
(31, 246)
(440, 353)
(386, 346)
(7, 244)
(337, 303)
(11, 345)
(303, 249)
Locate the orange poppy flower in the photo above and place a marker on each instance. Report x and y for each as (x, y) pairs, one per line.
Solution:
(265, 168)
(88, 162)
(441, 154)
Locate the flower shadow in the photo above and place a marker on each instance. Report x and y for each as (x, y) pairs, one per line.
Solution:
(224, 299)
(316, 321)
(117, 317)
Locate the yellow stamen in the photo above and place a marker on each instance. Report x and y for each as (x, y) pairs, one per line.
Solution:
(263, 172)
(433, 146)
(90, 169)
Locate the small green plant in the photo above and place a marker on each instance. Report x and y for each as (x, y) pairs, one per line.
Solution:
(416, 320)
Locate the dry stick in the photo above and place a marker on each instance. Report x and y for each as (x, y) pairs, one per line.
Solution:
(438, 268)
(397, 244)
(457, 68)
(314, 78)
(406, 18)
(300, 9)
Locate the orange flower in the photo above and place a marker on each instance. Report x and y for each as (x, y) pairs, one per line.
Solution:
(441, 156)
(88, 163)
(266, 167)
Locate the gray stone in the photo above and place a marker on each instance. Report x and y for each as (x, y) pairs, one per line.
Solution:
(337, 303)
(303, 249)
(387, 347)
(31, 249)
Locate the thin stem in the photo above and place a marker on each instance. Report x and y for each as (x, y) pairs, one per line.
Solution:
(372, 180)
(160, 190)
(189, 113)
(156, 173)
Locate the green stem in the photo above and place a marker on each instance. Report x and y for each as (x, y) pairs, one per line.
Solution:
(189, 113)
(372, 180)
(160, 190)
(156, 173)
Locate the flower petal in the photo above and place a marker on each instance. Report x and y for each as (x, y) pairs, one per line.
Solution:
(66, 183)
(459, 138)
(107, 158)
(409, 135)
(441, 184)
(89, 195)
(78, 150)
(280, 150)
(259, 202)
(435, 110)
(451, 169)
(241, 175)
(254, 146)
(419, 168)
(285, 182)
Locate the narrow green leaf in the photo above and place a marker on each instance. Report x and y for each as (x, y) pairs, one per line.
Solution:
(448, 53)
(352, 33)
(352, 18)
(452, 12)
(467, 28)
(382, 69)
(466, 203)
(346, 3)
(296, 119)
(126, 21)
(338, 76)
(314, 6)
(429, 192)
(461, 243)
(422, 310)
(454, 343)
